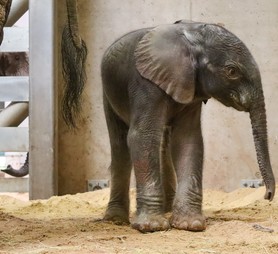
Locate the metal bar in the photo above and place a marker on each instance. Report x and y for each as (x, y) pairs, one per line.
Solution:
(16, 39)
(18, 8)
(43, 99)
(14, 114)
(14, 88)
(14, 139)
(14, 184)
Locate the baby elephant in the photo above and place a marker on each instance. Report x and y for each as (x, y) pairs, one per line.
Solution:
(154, 83)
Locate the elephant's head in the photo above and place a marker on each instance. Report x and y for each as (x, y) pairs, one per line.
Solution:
(192, 61)
(14, 64)
(5, 6)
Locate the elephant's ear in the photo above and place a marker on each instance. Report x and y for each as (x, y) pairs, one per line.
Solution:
(163, 57)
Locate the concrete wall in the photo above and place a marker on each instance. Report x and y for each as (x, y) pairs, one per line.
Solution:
(229, 150)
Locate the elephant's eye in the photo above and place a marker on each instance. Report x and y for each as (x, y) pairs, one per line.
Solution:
(232, 72)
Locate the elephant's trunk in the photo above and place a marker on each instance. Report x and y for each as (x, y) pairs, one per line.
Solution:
(259, 127)
(23, 171)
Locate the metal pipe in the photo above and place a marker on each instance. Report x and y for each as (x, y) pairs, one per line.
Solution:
(18, 8)
(14, 114)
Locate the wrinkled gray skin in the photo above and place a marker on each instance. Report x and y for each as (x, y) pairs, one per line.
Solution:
(5, 6)
(154, 83)
(14, 64)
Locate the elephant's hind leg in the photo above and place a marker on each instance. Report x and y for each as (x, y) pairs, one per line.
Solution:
(118, 207)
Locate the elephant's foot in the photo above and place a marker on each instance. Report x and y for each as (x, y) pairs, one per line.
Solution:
(150, 223)
(190, 222)
(118, 215)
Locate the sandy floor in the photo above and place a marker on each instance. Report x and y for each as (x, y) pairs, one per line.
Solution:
(238, 222)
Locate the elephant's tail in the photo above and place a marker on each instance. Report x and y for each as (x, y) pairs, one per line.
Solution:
(74, 54)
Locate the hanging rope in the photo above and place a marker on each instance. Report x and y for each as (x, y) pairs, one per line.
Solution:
(74, 54)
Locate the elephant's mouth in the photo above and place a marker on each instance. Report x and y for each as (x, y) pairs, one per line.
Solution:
(240, 107)
(233, 103)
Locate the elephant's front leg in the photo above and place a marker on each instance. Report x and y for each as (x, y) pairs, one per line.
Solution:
(187, 151)
(144, 143)
(168, 175)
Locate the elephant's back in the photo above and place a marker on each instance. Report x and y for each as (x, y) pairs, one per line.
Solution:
(118, 69)
(121, 51)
